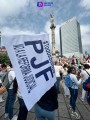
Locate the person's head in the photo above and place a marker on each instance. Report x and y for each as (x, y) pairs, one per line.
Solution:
(69, 70)
(73, 70)
(73, 64)
(56, 62)
(65, 65)
(86, 66)
(4, 67)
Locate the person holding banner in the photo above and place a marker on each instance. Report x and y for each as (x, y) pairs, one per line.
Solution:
(32, 61)
(10, 97)
(59, 72)
(46, 106)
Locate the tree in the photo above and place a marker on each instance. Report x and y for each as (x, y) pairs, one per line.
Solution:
(4, 58)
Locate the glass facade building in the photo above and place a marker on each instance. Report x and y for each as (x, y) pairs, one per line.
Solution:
(70, 37)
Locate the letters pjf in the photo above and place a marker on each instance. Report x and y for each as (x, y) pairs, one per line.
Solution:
(32, 62)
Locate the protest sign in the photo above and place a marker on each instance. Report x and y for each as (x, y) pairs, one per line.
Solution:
(31, 58)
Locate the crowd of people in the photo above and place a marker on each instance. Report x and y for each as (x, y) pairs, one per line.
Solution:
(78, 72)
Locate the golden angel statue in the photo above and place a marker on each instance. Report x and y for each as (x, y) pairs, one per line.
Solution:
(52, 19)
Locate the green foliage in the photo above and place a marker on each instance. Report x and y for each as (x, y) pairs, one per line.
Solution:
(4, 58)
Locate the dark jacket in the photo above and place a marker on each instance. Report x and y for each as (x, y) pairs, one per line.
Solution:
(49, 100)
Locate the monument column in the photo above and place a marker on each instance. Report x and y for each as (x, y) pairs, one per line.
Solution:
(0, 39)
(52, 27)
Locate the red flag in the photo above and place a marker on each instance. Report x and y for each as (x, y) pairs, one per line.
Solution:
(88, 57)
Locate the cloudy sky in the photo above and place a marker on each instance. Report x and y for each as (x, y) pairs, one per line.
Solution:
(23, 16)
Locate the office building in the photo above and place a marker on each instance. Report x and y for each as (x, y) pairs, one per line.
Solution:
(70, 38)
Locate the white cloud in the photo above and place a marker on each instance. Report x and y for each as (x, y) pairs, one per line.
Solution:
(85, 33)
(7, 30)
(85, 3)
(47, 29)
(11, 31)
(84, 14)
(11, 7)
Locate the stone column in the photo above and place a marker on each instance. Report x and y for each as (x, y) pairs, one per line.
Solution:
(0, 39)
(52, 27)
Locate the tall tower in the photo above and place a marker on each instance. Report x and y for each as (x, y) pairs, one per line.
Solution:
(52, 27)
(70, 38)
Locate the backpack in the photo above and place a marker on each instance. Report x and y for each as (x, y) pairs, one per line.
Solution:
(5, 80)
(2, 74)
(7, 84)
(68, 81)
(86, 84)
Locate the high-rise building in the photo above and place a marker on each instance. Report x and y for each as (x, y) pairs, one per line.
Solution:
(70, 38)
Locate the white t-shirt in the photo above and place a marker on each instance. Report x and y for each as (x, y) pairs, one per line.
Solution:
(84, 75)
(11, 76)
(58, 69)
(75, 80)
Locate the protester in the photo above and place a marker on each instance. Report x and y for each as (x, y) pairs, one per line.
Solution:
(66, 90)
(74, 91)
(23, 112)
(11, 96)
(84, 75)
(58, 71)
(86, 87)
(2, 73)
(46, 106)
(22, 108)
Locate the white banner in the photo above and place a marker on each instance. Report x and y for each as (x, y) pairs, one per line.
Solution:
(31, 58)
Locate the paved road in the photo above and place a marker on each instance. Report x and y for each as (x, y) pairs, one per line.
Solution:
(62, 113)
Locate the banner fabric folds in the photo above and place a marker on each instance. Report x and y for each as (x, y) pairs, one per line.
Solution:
(32, 61)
